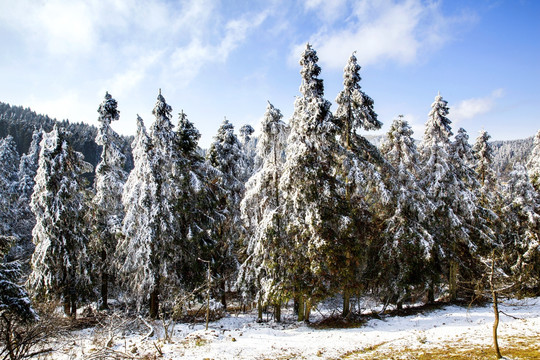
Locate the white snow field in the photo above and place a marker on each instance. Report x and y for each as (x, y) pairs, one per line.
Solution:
(241, 337)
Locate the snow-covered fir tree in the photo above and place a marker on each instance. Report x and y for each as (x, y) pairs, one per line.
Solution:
(454, 203)
(522, 235)
(533, 163)
(9, 161)
(313, 207)
(249, 146)
(262, 272)
(196, 201)
(148, 251)
(26, 221)
(136, 251)
(28, 168)
(483, 153)
(355, 108)
(489, 199)
(226, 155)
(360, 173)
(107, 209)
(60, 236)
(402, 267)
(15, 306)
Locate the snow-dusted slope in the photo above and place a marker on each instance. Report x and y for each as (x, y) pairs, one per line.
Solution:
(240, 337)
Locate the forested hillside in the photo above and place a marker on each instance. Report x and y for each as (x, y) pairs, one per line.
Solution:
(21, 122)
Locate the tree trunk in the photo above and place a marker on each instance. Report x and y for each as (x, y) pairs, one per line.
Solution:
(259, 311)
(495, 308)
(300, 308)
(307, 307)
(346, 303)
(452, 280)
(70, 305)
(223, 295)
(277, 310)
(154, 301)
(67, 305)
(104, 283)
(73, 306)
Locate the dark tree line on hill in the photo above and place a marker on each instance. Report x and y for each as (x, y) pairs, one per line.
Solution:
(21, 123)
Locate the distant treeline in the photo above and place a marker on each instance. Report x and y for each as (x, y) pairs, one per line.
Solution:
(21, 122)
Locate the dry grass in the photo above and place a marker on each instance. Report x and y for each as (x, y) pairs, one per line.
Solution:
(519, 348)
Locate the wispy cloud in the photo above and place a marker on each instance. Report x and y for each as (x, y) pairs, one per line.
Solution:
(470, 108)
(187, 61)
(381, 30)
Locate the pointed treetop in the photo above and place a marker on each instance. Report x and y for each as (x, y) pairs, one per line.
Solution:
(108, 110)
(140, 123)
(311, 86)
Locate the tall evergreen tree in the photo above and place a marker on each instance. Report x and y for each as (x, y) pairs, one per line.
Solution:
(25, 220)
(59, 260)
(483, 153)
(355, 108)
(314, 212)
(9, 160)
(149, 225)
(15, 306)
(454, 206)
(533, 164)
(196, 201)
(226, 155)
(408, 242)
(361, 177)
(108, 212)
(136, 261)
(522, 218)
(263, 271)
(249, 146)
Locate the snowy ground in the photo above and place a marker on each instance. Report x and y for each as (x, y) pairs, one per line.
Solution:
(241, 337)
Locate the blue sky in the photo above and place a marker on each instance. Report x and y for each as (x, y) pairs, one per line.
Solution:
(216, 58)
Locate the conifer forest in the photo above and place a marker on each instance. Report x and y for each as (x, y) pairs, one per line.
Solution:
(275, 221)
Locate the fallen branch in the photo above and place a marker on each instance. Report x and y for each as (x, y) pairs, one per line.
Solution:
(150, 327)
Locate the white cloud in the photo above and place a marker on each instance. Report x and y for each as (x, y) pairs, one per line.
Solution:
(380, 31)
(127, 80)
(188, 60)
(470, 108)
(327, 11)
(67, 106)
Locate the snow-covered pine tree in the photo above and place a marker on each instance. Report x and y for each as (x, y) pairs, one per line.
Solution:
(313, 207)
(59, 260)
(522, 219)
(25, 220)
(107, 209)
(453, 206)
(149, 252)
(9, 161)
(466, 266)
(355, 108)
(483, 153)
(533, 163)
(28, 167)
(407, 248)
(136, 252)
(360, 173)
(489, 199)
(195, 210)
(226, 155)
(262, 272)
(15, 306)
(249, 146)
